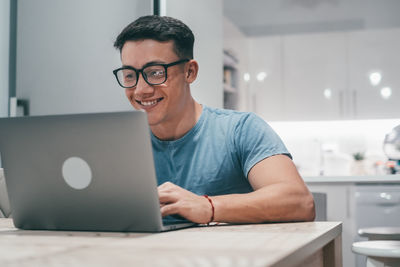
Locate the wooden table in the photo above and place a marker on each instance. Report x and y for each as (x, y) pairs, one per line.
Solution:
(281, 244)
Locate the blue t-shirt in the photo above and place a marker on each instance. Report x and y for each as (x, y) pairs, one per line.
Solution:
(216, 155)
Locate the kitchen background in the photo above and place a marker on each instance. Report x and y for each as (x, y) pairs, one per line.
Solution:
(323, 73)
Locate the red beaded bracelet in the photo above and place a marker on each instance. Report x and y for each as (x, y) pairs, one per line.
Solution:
(212, 208)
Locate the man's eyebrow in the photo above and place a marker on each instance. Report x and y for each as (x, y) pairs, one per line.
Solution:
(153, 62)
(145, 65)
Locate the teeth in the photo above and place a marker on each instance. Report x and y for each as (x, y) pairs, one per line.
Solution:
(148, 103)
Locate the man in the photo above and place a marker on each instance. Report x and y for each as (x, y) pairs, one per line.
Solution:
(211, 164)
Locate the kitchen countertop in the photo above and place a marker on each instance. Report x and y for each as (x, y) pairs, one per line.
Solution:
(354, 179)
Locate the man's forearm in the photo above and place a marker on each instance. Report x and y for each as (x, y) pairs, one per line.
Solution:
(277, 202)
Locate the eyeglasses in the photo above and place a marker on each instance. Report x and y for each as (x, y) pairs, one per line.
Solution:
(153, 74)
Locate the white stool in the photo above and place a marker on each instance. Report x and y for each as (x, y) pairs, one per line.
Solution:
(380, 233)
(380, 253)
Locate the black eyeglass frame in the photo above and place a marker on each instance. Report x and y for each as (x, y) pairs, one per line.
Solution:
(138, 71)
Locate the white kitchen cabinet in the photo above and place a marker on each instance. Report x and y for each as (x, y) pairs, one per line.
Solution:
(374, 51)
(306, 76)
(266, 96)
(363, 201)
(325, 76)
(340, 207)
(314, 76)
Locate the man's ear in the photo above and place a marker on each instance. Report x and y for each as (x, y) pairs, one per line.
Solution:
(192, 68)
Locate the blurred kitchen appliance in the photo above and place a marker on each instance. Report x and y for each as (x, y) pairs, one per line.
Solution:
(391, 147)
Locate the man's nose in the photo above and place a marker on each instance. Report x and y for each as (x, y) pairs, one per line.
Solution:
(142, 87)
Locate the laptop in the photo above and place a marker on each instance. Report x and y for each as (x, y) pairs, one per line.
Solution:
(82, 172)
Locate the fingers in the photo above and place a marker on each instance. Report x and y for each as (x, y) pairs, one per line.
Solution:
(168, 193)
(167, 197)
(169, 209)
(167, 186)
(177, 200)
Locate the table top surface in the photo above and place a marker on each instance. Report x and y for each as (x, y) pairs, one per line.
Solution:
(277, 244)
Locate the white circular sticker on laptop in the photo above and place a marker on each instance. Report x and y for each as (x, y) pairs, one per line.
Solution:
(76, 173)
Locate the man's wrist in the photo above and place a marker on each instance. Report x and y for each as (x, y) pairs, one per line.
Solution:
(212, 208)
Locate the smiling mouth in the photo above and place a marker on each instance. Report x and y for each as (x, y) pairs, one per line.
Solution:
(149, 103)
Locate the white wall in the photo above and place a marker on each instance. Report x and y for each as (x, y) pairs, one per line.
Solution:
(4, 52)
(204, 18)
(65, 53)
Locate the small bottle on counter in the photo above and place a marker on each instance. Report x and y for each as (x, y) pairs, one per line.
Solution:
(379, 167)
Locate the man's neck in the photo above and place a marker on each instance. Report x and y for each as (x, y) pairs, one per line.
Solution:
(175, 129)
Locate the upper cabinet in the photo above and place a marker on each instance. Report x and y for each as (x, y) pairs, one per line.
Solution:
(326, 76)
(265, 86)
(373, 67)
(314, 76)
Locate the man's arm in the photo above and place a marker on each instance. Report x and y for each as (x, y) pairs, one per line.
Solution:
(279, 195)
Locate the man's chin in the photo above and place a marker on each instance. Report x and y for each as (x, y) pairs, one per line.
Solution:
(152, 121)
(152, 118)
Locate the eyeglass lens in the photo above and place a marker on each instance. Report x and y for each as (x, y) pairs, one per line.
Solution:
(152, 74)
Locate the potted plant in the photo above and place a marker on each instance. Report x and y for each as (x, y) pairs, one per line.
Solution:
(358, 167)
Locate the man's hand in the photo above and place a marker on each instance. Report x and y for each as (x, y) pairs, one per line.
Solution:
(176, 200)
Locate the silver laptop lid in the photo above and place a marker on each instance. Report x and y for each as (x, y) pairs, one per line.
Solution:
(81, 172)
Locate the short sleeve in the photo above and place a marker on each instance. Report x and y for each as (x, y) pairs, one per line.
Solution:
(255, 140)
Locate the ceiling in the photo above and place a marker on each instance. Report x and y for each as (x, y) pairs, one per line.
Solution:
(269, 17)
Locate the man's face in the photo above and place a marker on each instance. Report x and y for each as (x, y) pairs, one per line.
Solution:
(164, 103)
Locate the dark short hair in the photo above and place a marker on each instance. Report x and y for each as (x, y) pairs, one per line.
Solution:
(159, 28)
